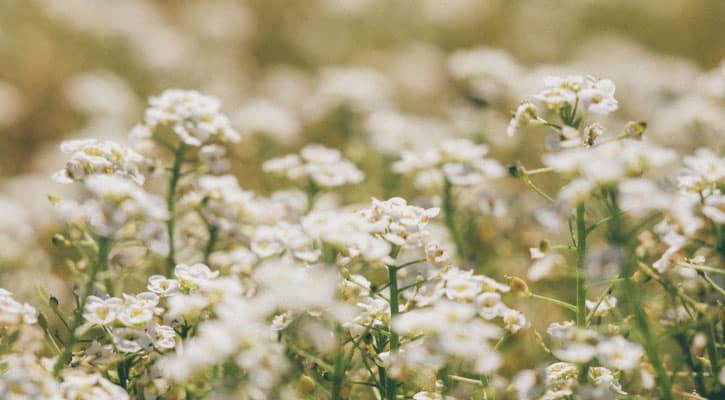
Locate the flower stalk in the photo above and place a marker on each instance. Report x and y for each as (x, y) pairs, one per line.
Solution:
(104, 248)
(171, 206)
(581, 248)
(449, 215)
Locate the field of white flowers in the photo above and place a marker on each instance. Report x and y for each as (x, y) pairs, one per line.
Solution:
(362, 199)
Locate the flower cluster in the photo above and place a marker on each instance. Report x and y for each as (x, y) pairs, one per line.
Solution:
(318, 165)
(458, 161)
(90, 157)
(193, 117)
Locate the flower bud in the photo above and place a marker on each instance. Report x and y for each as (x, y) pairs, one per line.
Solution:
(635, 129)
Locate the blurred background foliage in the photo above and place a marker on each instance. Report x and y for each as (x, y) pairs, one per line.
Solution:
(225, 47)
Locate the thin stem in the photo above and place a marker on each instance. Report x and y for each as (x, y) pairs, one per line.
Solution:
(581, 248)
(570, 307)
(303, 353)
(449, 213)
(536, 189)
(391, 387)
(463, 379)
(213, 235)
(712, 283)
(703, 268)
(633, 295)
(538, 170)
(171, 206)
(104, 247)
(409, 263)
(599, 301)
(712, 352)
(312, 190)
(338, 373)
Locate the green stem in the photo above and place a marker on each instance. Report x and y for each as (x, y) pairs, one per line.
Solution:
(213, 235)
(560, 303)
(581, 248)
(104, 247)
(538, 170)
(312, 190)
(448, 210)
(171, 206)
(463, 379)
(394, 340)
(338, 374)
(702, 268)
(633, 295)
(712, 283)
(536, 189)
(712, 351)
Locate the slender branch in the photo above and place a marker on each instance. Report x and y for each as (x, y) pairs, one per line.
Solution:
(642, 323)
(568, 306)
(409, 263)
(702, 268)
(171, 206)
(538, 170)
(338, 372)
(213, 235)
(104, 247)
(581, 248)
(536, 189)
(391, 387)
(449, 214)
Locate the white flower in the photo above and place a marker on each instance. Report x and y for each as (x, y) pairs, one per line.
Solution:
(91, 156)
(525, 114)
(25, 378)
(560, 91)
(281, 321)
(561, 331)
(193, 117)
(130, 340)
(602, 309)
(462, 289)
(100, 311)
(577, 353)
(191, 277)
(213, 156)
(323, 166)
(514, 320)
(544, 265)
(435, 254)
(117, 201)
(715, 208)
(429, 396)
(599, 97)
(98, 353)
(461, 161)
(619, 353)
(162, 336)
(490, 305)
(79, 386)
(135, 315)
(604, 377)
(397, 222)
(561, 374)
(162, 285)
(13, 313)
